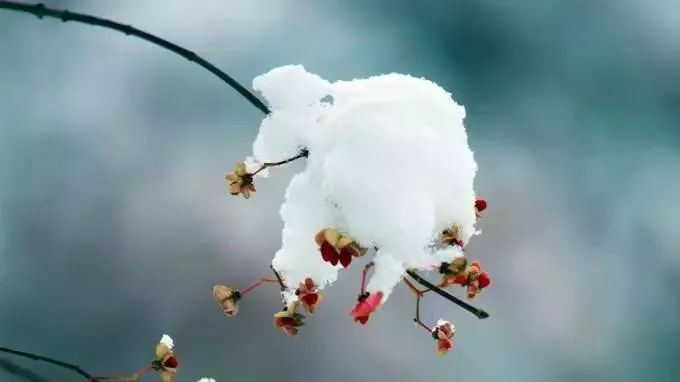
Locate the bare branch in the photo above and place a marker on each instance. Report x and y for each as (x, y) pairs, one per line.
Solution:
(40, 10)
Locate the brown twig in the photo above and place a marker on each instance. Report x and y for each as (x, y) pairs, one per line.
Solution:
(278, 278)
(417, 319)
(363, 277)
(304, 153)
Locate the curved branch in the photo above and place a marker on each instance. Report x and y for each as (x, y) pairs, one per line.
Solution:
(36, 357)
(41, 11)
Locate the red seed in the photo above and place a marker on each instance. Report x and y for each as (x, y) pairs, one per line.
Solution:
(171, 362)
(345, 257)
(327, 251)
(480, 204)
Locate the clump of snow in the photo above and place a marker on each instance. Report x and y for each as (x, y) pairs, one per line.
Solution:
(441, 322)
(167, 341)
(206, 380)
(389, 165)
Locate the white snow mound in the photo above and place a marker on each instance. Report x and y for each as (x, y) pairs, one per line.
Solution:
(389, 165)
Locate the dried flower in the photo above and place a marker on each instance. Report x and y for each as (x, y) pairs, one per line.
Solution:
(338, 247)
(453, 272)
(309, 294)
(473, 278)
(227, 298)
(480, 205)
(289, 320)
(165, 361)
(443, 333)
(367, 304)
(450, 236)
(240, 181)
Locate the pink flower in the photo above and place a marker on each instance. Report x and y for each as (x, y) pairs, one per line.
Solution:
(443, 333)
(367, 304)
(309, 294)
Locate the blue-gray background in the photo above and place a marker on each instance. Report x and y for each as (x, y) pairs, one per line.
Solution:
(115, 223)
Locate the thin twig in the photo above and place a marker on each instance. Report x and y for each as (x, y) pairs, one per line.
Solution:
(304, 153)
(257, 284)
(126, 377)
(36, 357)
(278, 278)
(417, 319)
(479, 313)
(413, 288)
(41, 11)
(363, 277)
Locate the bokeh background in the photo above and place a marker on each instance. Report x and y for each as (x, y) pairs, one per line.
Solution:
(115, 221)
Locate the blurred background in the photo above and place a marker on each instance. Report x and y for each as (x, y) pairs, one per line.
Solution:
(115, 221)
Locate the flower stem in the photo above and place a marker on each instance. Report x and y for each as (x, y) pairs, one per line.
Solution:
(41, 11)
(126, 377)
(417, 319)
(278, 278)
(413, 288)
(257, 284)
(36, 357)
(363, 277)
(304, 153)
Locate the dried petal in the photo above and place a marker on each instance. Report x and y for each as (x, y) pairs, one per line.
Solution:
(320, 237)
(240, 169)
(167, 376)
(443, 346)
(234, 188)
(343, 242)
(332, 237)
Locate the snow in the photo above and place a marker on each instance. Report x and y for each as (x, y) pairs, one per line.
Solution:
(206, 380)
(389, 165)
(167, 341)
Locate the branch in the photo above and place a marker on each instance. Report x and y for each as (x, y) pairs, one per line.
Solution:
(476, 311)
(36, 357)
(278, 278)
(304, 153)
(41, 11)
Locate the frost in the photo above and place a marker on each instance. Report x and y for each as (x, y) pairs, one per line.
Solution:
(167, 341)
(389, 165)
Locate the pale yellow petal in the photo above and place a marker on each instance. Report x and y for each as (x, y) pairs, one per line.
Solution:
(162, 351)
(240, 169)
(332, 237)
(167, 376)
(344, 241)
(320, 237)
(234, 189)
